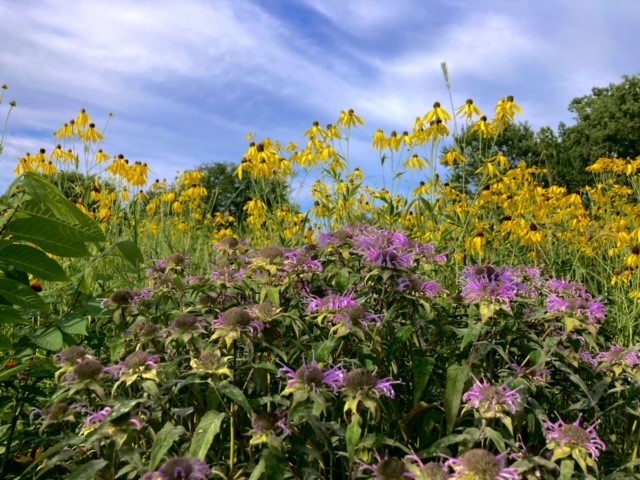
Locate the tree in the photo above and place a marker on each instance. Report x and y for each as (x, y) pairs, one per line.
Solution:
(607, 124)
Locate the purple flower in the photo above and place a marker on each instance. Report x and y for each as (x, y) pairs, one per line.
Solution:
(539, 376)
(71, 356)
(313, 377)
(180, 468)
(56, 413)
(389, 258)
(332, 303)
(387, 468)
(492, 401)
(360, 382)
(424, 471)
(299, 261)
(86, 370)
(185, 327)
(480, 464)
(484, 283)
(566, 439)
(571, 300)
(136, 363)
(235, 322)
(269, 427)
(617, 359)
(415, 285)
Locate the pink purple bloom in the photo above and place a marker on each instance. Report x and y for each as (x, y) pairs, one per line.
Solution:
(387, 468)
(417, 286)
(180, 468)
(360, 381)
(313, 377)
(135, 362)
(492, 400)
(238, 319)
(617, 358)
(566, 439)
(480, 464)
(484, 283)
(418, 470)
(332, 303)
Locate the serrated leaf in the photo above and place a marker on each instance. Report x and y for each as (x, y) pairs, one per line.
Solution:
(33, 261)
(88, 470)
(20, 294)
(50, 339)
(205, 432)
(234, 393)
(49, 235)
(456, 377)
(130, 252)
(165, 438)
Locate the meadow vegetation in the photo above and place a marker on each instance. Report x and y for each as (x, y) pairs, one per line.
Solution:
(480, 326)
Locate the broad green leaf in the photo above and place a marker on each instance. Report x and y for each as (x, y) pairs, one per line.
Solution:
(20, 294)
(87, 471)
(73, 325)
(354, 430)
(456, 377)
(422, 369)
(258, 470)
(33, 261)
(165, 438)
(130, 251)
(5, 342)
(9, 315)
(275, 464)
(50, 235)
(322, 350)
(206, 431)
(496, 438)
(50, 339)
(234, 393)
(566, 469)
(48, 200)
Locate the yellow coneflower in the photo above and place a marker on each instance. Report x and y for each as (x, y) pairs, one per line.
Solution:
(83, 120)
(452, 158)
(102, 157)
(633, 260)
(483, 128)
(476, 244)
(92, 134)
(349, 119)
(437, 113)
(394, 141)
(468, 110)
(415, 163)
(506, 109)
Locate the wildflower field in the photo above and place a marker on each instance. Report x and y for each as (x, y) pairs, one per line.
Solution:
(484, 329)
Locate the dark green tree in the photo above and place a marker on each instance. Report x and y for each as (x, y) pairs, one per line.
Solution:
(607, 124)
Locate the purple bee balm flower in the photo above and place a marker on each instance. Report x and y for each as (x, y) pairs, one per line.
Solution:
(568, 299)
(71, 356)
(86, 370)
(415, 285)
(269, 426)
(313, 377)
(360, 381)
(418, 470)
(387, 468)
(565, 439)
(332, 303)
(484, 283)
(238, 319)
(299, 261)
(480, 464)
(56, 413)
(389, 258)
(617, 359)
(492, 401)
(355, 316)
(136, 362)
(180, 468)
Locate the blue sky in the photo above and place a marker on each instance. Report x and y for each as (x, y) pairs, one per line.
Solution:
(188, 79)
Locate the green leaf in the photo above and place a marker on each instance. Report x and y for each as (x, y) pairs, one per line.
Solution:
(206, 431)
(322, 350)
(566, 469)
(259, 469)
(34, 261)
(10, 315)
(130, 251)
(48, 201)
(50, 339)
(275, 464)
(5, 342)
(163, 442)
(234, 393)
(20, 294)
(456, 377)
(422, 369)
(50, 235)
(88, 470)
(73, 326)
(496, 438)
(354, 430)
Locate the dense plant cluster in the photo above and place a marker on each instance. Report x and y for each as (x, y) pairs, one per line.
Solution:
(421, 329)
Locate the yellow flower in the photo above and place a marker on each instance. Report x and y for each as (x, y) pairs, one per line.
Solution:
(349, 119)
(315, 132)
(394, 141)
(506, 109)
(453, 158)
(437, 113)
(476, 245)
(483, 128)
(468, 110)
(415, 163)
(633, 260)
(92, 134)
(102, 157)
(83, 120)
(379, 140)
